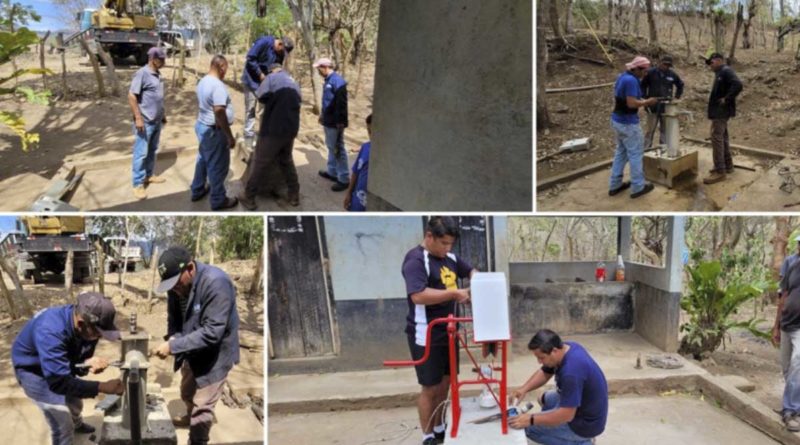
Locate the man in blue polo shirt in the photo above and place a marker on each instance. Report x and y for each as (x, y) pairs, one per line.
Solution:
(267, 50)
(46, 355)
(625, 122)
(577, 410)
(334, 120)
(202, 334)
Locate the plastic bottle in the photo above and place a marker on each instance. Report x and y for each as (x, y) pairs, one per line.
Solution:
(620, 273)
(600, 272)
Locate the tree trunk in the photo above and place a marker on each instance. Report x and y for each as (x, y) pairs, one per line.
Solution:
(651, 21)
(154, 268)
(553, 13)
(197, 239)
(610, 20)
(256, 284)
(123, 251)
(68, 268)
(739, 20)
(779, 242)
(782, 7)
(719, 32)
(12, 308)
(101, 267)
(752, 12)
(542, 116)
(569, 21)
(637, 12)
(303, 14)
(110, 69)
(101, 89)
(685, 35)
(41, 58)
(63, 51)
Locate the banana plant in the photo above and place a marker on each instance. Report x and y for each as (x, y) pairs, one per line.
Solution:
(13, 44)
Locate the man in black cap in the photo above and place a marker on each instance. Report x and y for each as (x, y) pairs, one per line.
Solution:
(202, 334)
(659, 82)
(46, 355)
(264, 52)
(721, 107)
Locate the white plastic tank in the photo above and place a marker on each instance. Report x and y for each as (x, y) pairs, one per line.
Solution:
(490, 315)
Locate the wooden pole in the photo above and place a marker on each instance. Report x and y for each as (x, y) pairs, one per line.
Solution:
(41, 58)
(255, 285)
(11, 270)
(68, 272)
(582, 88)
(197, 241)
(154, 268)
(101, 269)
(62, 51)
(608, 56)
(101, 89)
(12, 308)
(110, 69)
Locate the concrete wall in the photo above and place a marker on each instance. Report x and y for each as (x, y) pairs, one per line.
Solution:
(452, 128)
(571, 308)
(559, 272)
(657, 316)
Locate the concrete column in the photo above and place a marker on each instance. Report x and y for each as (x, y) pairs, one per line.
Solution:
(674, 255)
(624, 237)
(501, 247)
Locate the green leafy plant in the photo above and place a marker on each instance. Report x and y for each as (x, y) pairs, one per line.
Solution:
(713, 298)
(13, 44)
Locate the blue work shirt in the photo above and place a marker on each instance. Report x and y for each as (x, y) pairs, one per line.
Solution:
(582, 385)
(148, 87)
(261, 55)
(207, 334)
(45, 353)
(626, 85)
(334, 101)
(211, 92)
(358, 200)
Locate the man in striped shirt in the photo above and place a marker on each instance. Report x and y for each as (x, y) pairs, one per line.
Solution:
(431, 273)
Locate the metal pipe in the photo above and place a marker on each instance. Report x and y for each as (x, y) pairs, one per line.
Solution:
(133, 400)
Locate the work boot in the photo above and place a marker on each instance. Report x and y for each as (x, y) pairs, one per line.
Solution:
(328, 176)
(647, 189)
(181, 421)
(714, 178)
(202, 195)
(294, 199)
(622, 187)
(139, 192)
(84, 428)
(155, 179)
(791, 422)
(430, 441)
(339, 186)
(248, 203)
(228, 204)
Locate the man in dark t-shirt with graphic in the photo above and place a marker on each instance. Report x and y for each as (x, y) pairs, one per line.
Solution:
(431, 273)
(577, 411)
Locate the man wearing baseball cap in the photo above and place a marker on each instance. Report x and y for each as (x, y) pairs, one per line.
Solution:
(333, 118)
(47, 351)
(202, 334)
(625, 122)
(266, 51)
(146, 99)
(721, 107)
(660, 81)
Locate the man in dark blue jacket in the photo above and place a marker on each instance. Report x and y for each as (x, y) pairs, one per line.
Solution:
(202, 334)
(333, 118)
(660, 81)
(721, 107)
(46, 355)
(280, 123)
(266, 51)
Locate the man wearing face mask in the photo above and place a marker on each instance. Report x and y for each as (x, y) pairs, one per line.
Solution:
(202, 334)
(56, 347)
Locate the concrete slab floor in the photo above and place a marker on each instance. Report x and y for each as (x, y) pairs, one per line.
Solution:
(678, 419)
(590, 193)
(616, 354)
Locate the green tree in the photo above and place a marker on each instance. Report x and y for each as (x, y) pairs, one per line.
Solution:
(241, 237)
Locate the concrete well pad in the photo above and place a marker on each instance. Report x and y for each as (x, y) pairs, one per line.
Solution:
(480, 434)
(590, 192)
(764, 194)
(633, 420)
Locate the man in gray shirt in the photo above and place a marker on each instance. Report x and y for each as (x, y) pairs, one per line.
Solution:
(146, 99)
(213, 129)
(786, 331)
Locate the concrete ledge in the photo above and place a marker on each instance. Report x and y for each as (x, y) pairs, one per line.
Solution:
(569, 176)
(743, 148)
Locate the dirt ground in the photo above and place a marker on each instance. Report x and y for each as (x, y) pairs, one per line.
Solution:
(81, 127)
(766, 109)
(246, 377)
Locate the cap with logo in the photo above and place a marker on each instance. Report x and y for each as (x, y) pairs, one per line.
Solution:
(170, 265)
(98, 311)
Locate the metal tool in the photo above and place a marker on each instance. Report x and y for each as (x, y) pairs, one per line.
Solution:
(115, 364)
(519, 409)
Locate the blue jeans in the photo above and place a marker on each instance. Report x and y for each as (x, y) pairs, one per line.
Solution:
(630, 149)
(213, 162)
(554, 435)
(62, 413)
(144, 151)
(790, 362)
(337, 155)
(250, 114)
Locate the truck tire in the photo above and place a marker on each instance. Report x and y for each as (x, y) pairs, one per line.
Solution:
(141, 56)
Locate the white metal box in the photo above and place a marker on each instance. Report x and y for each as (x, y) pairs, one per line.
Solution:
(490, 317)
